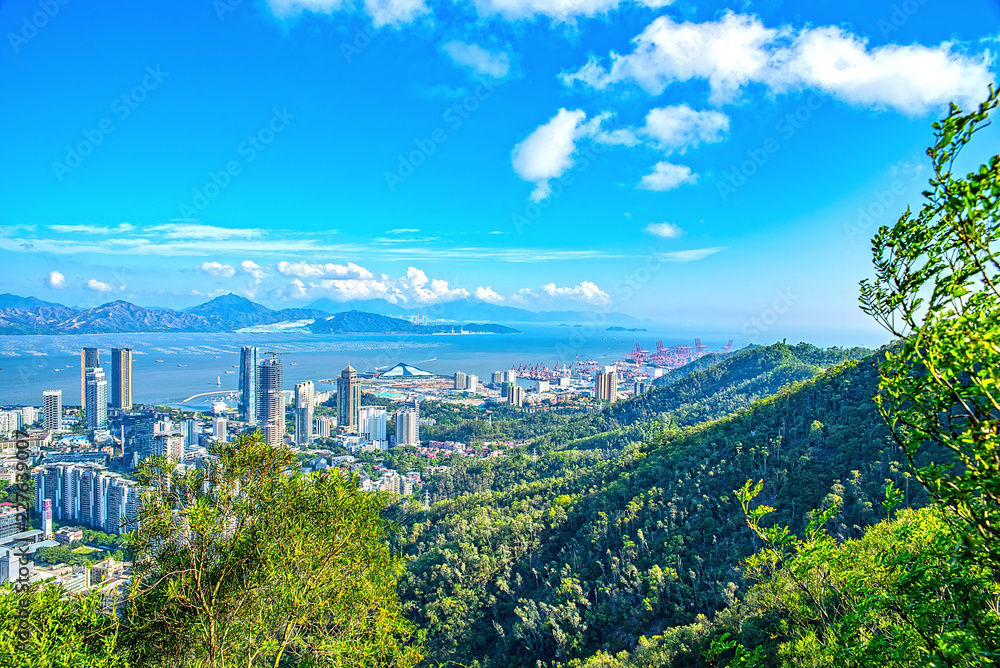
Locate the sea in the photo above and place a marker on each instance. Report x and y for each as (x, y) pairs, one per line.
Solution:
(171, 368)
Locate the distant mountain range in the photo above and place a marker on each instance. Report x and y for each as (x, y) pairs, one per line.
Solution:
(28, 315)
(467, 310)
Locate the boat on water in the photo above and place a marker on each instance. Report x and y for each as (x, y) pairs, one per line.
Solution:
(218, 380)
(230, 372)
(182, 365)
(161, 360)
(294, 363)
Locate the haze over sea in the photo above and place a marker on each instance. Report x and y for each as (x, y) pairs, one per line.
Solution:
(28, 363)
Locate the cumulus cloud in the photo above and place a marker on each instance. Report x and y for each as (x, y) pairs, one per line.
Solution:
(217, 269)
(54, 279)
(253, 269)
(329, 270)
(488, 294)
(667, 176)
(738, 50)
(680, 127)
(478, 59)
(360, 284)
(92, 229)
(664, 230)
(586, 292)
(98, 286)
(547, 152)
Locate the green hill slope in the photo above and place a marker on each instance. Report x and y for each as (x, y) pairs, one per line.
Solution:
(592, 552)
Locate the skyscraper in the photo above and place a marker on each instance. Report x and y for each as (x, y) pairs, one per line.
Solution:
(219, 429)
(303, 412)
(460, 380)
(89, 359)
(408, 427)
(247, 400)
(372, 425)
(606, 384)
(271, 400)
(348, 400)
(121, 378)
(52, 409)
(96, 399)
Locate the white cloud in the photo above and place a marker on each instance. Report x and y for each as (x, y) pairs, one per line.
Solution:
(382, 12)
(253, 269)
(586, 292)
(548, 151)
(394, 12)
(478, 59)
(488, 294)
(186, 230)
(665, 230)
(92, 229)
(403, 230)
(667, 176)
(690, 255)
(680, 127)
(738, 50)
(98, 286)
(55, 280)
(217, 269)
(428, 291)
(558, 10)
(309, 270)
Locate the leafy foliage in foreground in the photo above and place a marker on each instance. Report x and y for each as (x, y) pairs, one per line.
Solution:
(262, 566)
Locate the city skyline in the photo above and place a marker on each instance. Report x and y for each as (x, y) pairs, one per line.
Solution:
(535, 155)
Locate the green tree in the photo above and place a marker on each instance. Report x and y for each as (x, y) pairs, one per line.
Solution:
(247, 562)
(60, 630)
(936, 288)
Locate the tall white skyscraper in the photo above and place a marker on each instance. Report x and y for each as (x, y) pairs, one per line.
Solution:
(323, 426)
(460, 380)
(372, 422)
(89, 359)
(219, 429)
(472, 383)
(304, 394)
(97, 399)
(407, 427)
(52, 409)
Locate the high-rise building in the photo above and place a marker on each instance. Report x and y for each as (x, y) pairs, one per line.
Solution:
(29, 414)
(304, 393)
(641, 385)
(219, 429)
(191, 431)
(323, 426)
(372, 422)
(606, 384)
(515, 395)
(139, 431)
(96, 399)
(348, 400)
(407, 427)
(10, 421)
(271, 400)
(460, 380)
(89, 359)
(472, 383)
(121, 378)
(46, 519)
(247, 400)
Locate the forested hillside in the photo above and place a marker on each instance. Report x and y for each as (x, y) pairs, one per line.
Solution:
(700, 394)
(633, 532)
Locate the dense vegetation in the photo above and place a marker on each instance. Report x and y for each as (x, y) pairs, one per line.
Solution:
(600, 541)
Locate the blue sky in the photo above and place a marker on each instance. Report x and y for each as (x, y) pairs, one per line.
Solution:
(694, 163)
